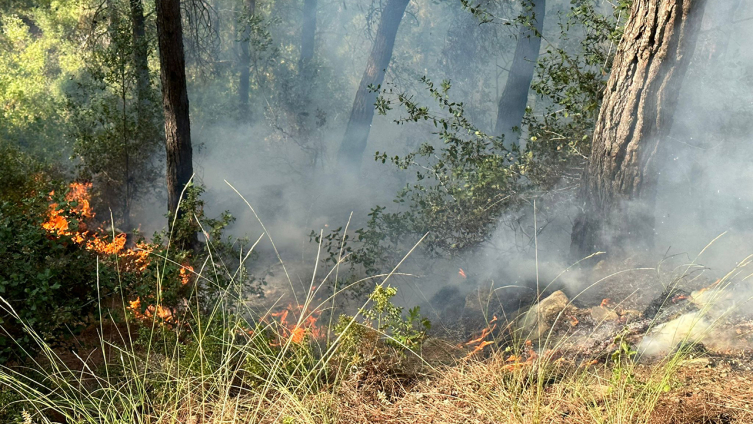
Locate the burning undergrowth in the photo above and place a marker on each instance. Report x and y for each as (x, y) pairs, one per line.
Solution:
(76, 220)
(560, 354)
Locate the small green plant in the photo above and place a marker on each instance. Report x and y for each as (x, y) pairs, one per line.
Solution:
(403, 332)
(622, 359)
(11, 406)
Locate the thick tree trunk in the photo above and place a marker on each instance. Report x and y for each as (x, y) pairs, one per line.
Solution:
(619, 187)
(244, 61)
(512, 103)
(140, 62)
(308, 33)
(174, 100)
(362, 113)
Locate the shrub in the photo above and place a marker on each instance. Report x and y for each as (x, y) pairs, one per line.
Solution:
(48, 279)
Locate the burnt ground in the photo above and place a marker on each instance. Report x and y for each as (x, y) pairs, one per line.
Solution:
(708, 390)
(710, 381)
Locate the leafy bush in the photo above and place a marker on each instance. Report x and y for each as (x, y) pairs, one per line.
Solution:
(387, 319)
(571, 79)
(50, 281)
(466, 180)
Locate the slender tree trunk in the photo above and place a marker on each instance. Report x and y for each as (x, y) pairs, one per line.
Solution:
(249, 8)
(140, 63)
(512, 103)
(717, 24)
(308, 33)
(174, 100)
(619, 187)
(359, 124)
(126, 157)
(301, 99)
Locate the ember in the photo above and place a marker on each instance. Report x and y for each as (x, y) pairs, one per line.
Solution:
(161, 312)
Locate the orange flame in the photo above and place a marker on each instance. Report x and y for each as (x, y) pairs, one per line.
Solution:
(185, 274)
(132, 260)
(680, 297)
(606, 302)
(96, 241)
(297, 329)
(483, 335)
(710, 287)
(462, 273)
(479, 341)
(163, 313)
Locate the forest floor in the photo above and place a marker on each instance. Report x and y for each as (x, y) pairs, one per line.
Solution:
(713, 389)
(633, 350)
(641, 347)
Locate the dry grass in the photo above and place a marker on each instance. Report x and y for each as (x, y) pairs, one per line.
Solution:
(273, 374)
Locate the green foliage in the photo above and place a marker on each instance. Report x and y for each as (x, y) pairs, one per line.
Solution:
(622, 363)
(409, 331)
(35, 56)
(400, 331)
(51, 282)
(11, 406)
(571, 78)
(223, 258)
(115, 125)
(466, 180)
(462, 185)
(20, 176)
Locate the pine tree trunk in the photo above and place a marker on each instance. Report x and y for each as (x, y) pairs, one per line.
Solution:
(140, 63)
(512, 103)
(174, 100)
(362, 113)
(619, 187)
(249, 8)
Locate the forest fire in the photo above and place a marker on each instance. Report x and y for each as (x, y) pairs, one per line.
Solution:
(59, 222)
(480, 342)
(296, 330)
(582, 159)
(128, 259)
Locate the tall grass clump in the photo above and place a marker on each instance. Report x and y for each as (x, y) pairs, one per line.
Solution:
(198, 353)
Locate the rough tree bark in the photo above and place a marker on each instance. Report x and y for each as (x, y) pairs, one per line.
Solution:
(244, 61)
(619, 186)
(174, 100)
(362, 113)
(512, 103)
